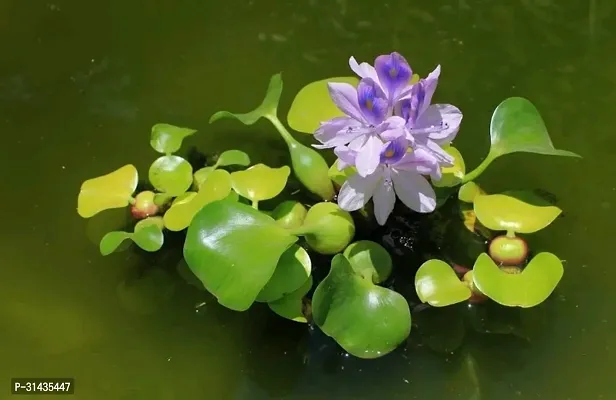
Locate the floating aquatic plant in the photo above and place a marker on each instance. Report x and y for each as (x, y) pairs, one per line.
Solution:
(391, 143)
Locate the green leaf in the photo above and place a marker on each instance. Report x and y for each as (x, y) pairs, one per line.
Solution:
(370, 260)
(112, 240)
(469, 192)
(292, 271)
(233, 157)
(267, 107)
(452, 176)
(150, 237)
(260, 182)
(291, 306)
(500, 212)
(437, 284)
(313, 105)
(234, 249)
(167, 139)
(366, 320)
(113, 190)
(158, 221)
(201, 175)
(327, 228)
(517, 126)
(339, 177)
(171, 174)
(289, 214)
(183, 210)
(527, 289)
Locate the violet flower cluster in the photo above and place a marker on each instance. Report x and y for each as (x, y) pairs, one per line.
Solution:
(391, 134)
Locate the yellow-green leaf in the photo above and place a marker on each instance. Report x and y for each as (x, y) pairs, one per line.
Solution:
(113, 190)
(436, 283)
(500, 212)
(216, 187)
(291, 306)
(313, 105)
(260, 182)
(452, 176)
(339, 177)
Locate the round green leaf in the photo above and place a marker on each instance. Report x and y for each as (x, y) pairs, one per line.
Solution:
(469, 192)
(527, 289)
(233, 196)
(113, 190)
(171, 174)
(182, 211)
(112, 240)
(292, 271)
(201, 175)
(313, 105)
(167, 138)
(267, 107)
(517, 126)
(339, 177)
(452, 176)
(500, 212)
(158, 221)
(149, 237)
(366, 320)
(289, 214)
(291, 306)
(233, 157)
(260, 182)
(234, 249)
(370, 260)
(437, 284)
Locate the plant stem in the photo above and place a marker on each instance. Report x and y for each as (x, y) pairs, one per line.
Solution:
(281, 129)
(302, 230)
(255, 204)
(479, 170)
(131, 200)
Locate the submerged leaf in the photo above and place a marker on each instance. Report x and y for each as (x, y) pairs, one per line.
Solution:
(172, 175)
(292, 271)
(268, 106)
(260, 182)
(113, 190)
(167, 139)
(313, 105)
(181, 213)
(291, 306)
(370, 260)
(500, 212)
(527, 289)
(366, 320)
(437, 284)
(517, 126)
(234, 249)
(452, 176)
(233, 157)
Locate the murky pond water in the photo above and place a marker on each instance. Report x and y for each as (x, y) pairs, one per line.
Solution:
(81, 83)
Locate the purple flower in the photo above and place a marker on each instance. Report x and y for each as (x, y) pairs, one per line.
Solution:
(398, 173)
(391, 72)
(430, 126)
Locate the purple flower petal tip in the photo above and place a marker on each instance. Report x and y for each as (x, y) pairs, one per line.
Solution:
(372, 101)
(394, 73)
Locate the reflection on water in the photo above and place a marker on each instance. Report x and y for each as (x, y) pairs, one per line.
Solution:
(81, 84)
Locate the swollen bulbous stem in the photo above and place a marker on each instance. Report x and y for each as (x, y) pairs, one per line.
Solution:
(309, 166)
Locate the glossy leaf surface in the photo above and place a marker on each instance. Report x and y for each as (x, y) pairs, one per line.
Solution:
(234, 250)
(527, 289)
(181, 213)
(167, 139)
(500, 212)
(112, 190)
(233, 157)
(292, 271)
(172, 175)
(366, 320)
(437, 284)
(370, 260)
(313, 105)
(268, 106)
(260, 182)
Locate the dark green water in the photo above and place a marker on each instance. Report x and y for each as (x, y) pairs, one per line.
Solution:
(81, 83)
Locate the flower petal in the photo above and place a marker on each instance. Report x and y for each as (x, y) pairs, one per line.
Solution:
(414, 191)
(442, 122)
(429, 87)
(372, 101)
(420, 161)
(393, 128)
(394, 74)
(328, 131)
(369, 156)
(384, 201)
(357, 191)
(344, 96)
(346, 155)
(363, 70)
(393, 151)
